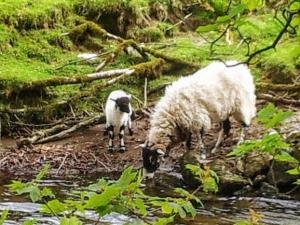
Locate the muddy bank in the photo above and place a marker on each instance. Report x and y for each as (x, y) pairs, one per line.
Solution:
(85, 152)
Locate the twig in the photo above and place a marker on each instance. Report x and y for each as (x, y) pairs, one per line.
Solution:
(62, 163)
(145, 92)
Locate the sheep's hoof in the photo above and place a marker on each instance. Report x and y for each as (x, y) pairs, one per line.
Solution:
(122, 149)
(130, 132)
(203, 156)
(111, 149)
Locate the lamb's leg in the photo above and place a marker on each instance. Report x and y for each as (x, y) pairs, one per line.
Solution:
(244, 130)
(225, 129)
(121, 136)
(129, 124)
(110, 130)
(201, 145)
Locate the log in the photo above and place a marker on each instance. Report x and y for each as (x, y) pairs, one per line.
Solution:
(278, 87)
(277, 99)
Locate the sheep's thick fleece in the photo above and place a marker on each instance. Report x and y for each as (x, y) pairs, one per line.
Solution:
(212, 94)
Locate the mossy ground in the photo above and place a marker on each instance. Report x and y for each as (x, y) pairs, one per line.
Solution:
(35, 44)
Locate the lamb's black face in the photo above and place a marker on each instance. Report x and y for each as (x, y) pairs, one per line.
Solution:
(123, 104)
(151, 160)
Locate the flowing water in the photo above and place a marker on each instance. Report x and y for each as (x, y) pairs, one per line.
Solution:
(221, 211)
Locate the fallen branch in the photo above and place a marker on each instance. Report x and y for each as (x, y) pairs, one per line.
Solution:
(64, 133)
(277, 99)
(278, 87)
(40, 134)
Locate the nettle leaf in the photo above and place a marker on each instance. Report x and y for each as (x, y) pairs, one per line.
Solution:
(104, 198)
(253, 4)
(43, 172)
(164, 221)
(207, 28)
(297, 182)
(100, 185)
(78, 205)
(34, 193)
(270, 117)
(295, 171)
(30, 222)
(3, 217)
(140, 205)
(237, 9)
(16, 186)
(127, 177)
(285, 157)
(245, 148)
(54, 206)
(47, 192)
(70, 221)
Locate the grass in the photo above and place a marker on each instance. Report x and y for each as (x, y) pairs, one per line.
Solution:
(33, 45)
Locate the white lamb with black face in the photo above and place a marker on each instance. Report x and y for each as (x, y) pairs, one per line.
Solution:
(119, 114)
(191, 104)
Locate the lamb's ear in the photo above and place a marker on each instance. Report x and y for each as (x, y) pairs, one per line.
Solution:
(160, 152)
(142, 145)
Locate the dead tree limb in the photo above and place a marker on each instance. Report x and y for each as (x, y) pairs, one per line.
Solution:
(278, 99)
(278, 87)
(64, 133)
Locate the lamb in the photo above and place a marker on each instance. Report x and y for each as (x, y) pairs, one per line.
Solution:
(190, 106)
(119, 114)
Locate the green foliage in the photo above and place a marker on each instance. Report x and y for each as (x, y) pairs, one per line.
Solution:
(30, 222)
(123, 195)
(3, 216)
(32, 187)
(70, 221)
(208, 178)
(271, 143)
(271, 117)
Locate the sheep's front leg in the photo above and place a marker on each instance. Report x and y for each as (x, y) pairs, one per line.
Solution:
(121, 136)
(225, 129)
(201, 145)
(244, 130)
(129, 124)
(111, 135)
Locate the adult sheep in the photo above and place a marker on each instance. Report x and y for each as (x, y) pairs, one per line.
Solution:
(191, 104)
(118, 113)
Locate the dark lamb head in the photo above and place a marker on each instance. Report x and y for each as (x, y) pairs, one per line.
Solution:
(123, 104)
(151, 159)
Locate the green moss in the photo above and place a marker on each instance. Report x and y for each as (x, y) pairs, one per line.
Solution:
(282, 65)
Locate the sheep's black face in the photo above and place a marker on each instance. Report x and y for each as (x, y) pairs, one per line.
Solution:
(123, 104)
(151, 160)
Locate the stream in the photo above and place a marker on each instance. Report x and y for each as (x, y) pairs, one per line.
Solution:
(223, 211)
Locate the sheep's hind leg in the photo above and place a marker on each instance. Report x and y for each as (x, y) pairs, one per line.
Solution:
(244, 130)
(111, 135)
(225, 129)
(121, 136)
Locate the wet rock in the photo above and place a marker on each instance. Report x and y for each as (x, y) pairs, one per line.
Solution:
(268, 190)
(256, 163)
(230, 180)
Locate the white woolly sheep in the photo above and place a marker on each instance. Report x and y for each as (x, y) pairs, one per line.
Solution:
(191, 104)
(118, 114)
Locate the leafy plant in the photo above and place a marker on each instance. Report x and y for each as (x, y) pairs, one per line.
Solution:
(3, 216)
(208, 178)
(272, 142)
(123, 196)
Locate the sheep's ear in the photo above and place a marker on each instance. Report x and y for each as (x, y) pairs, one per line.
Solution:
(160, 152)
(129, 96)
(142, 145)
